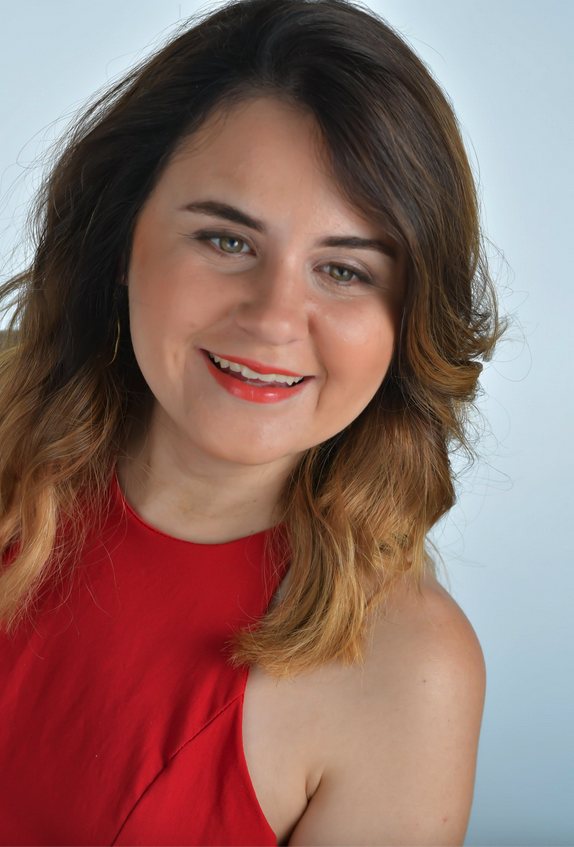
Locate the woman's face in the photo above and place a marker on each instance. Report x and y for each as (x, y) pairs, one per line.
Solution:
(239, 253)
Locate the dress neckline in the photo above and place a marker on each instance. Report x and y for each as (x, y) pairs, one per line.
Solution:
(121, 501)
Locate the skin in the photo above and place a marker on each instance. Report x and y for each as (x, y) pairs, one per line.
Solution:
(383, 754)
(379, 755)
(276, 302)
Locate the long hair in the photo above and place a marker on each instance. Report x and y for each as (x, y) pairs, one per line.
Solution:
(357, 507)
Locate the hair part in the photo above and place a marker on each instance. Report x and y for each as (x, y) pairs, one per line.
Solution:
(358, 507)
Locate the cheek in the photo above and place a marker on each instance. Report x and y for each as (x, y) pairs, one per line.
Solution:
(360, 346)
(170, 297)
(157, 277)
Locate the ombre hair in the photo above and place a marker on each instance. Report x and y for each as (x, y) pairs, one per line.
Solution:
(357, 508)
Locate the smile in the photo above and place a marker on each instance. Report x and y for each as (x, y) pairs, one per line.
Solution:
(251, 376)
(244, 383)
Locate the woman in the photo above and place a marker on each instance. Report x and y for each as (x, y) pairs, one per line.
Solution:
(248, 341)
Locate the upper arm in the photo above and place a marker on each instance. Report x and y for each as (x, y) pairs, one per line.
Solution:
(402, 768)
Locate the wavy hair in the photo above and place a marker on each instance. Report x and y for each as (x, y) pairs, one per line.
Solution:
(357, 507)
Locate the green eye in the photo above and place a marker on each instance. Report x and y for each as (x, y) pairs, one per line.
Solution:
(347, 276)
(342, 274)
(229, 244)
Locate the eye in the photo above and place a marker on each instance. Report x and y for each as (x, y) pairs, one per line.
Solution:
(232, 245)
(342, 274)
(228, 243)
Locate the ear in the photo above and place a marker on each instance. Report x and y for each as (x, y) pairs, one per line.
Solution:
(121, 270)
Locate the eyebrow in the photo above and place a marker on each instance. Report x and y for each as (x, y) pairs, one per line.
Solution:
(230, 213)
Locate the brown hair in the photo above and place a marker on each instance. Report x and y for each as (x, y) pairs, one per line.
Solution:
(358, 507)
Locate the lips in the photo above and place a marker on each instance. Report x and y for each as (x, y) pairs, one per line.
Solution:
(254, 391)
(249, 380)
(255, 366)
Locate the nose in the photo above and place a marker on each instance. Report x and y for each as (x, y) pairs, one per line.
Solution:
(275, 308)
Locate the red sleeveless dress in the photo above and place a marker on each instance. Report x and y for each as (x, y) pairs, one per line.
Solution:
(120, 715)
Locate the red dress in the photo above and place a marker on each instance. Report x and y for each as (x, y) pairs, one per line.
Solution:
(120, 715)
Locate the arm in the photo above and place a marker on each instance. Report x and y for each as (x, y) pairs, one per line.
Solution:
(403, 765)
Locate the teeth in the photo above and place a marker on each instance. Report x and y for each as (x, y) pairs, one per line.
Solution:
(249, 374)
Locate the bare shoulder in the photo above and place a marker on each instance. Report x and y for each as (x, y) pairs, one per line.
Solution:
(425, 630)
(403, 731)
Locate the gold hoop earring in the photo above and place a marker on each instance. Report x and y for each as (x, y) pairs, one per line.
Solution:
(117, 343)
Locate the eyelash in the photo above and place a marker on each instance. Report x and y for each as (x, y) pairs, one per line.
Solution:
(361, 276)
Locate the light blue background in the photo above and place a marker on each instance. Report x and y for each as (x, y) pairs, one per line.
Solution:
(508, 67)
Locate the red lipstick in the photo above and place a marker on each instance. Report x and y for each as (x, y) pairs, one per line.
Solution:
(256, 366)
(247, 390)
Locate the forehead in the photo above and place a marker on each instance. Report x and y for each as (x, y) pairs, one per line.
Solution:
(265, 147)
(246, 128)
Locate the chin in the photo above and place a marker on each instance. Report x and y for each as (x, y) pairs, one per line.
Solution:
(249, 454)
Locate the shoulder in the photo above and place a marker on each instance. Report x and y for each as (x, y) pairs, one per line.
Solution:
(426, 664)
(423, 637)
(402, 752)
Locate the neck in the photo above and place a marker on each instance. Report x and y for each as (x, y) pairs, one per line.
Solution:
(188, 494)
